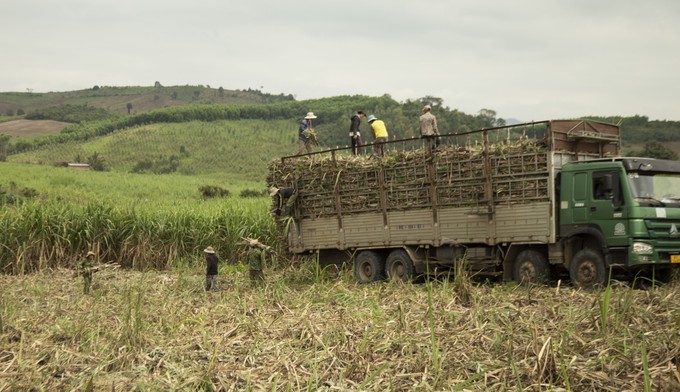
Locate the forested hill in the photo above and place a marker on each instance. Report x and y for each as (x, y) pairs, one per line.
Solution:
(243, 121)
(132, 99)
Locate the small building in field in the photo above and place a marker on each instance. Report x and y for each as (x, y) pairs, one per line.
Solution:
(79, 166)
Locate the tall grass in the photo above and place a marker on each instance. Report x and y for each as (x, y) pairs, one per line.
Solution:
(148, 223)
(36, 235)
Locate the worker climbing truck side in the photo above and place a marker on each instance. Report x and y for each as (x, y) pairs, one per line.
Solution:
(519, 201)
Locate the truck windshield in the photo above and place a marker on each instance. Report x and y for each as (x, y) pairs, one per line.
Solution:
(655, 189)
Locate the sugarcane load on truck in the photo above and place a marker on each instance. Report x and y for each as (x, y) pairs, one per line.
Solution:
(524, 202)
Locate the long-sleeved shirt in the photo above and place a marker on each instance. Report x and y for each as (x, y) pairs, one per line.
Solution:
(354, 126)
(304, 124)
(211, 259)
(428, 125)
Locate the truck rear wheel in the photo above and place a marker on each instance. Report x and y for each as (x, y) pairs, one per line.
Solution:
(587, 269)
(399, 266)
(530, 267)
(368, 267)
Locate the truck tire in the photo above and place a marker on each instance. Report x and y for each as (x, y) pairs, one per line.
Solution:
(587, 269)
(661, 274)
(530, 267)
(368, 267)
(399, 266)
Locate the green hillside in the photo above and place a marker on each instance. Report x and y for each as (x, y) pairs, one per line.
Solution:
(239, 147)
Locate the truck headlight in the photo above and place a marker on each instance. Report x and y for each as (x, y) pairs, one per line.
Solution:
(642, 248)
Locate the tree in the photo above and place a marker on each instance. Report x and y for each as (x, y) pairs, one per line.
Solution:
(129, 107)
(220, 91)
(654, 150)
(4, 142)
(96, 162)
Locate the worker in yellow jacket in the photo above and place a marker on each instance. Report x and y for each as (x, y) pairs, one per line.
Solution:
(379, 135)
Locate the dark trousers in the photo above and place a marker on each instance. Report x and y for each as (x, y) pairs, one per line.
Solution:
(356, 145)
(432, 141)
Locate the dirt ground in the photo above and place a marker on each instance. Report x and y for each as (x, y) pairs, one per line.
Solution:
(31, 127)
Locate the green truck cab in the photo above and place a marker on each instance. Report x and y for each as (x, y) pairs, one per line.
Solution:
(620, 212)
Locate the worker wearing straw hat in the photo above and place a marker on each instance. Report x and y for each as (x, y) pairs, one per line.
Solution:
(211, 271)
(306, 134)
(86, 266)
(257, 252)
(284, 200)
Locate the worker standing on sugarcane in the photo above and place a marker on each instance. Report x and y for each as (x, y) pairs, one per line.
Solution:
(211, 270)
(284, 200)
(257, 252)
(379, 135)
(354, 134)
(86, 266)
(306, 134)
(428, 128)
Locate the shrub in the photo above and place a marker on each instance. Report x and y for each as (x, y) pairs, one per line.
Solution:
(253, 193)
(210, 191)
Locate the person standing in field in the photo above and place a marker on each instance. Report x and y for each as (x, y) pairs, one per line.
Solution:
(354, 134)
(428, 128)
(211, 271)
(379, 135)
(257, 252)
(86, 267)
(306, 134)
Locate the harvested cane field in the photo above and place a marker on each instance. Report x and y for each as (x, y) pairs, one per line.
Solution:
(305, 330)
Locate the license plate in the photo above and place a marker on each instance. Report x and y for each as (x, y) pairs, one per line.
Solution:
(675, 258)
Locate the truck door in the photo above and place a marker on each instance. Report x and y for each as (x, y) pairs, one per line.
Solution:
(606, 209)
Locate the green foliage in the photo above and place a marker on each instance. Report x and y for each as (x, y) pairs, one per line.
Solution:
(70, 113)
(162, 165)
(654, 149)
(15, 195)
(638, 129)
(96, 162)
(253, 193)
(210, 191)
(4, 142)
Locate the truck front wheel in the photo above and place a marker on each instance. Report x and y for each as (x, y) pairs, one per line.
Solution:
(531, 267)
(399, 266)
(587, 269)
(368, 267)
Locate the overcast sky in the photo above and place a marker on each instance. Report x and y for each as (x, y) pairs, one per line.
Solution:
(525, 59)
